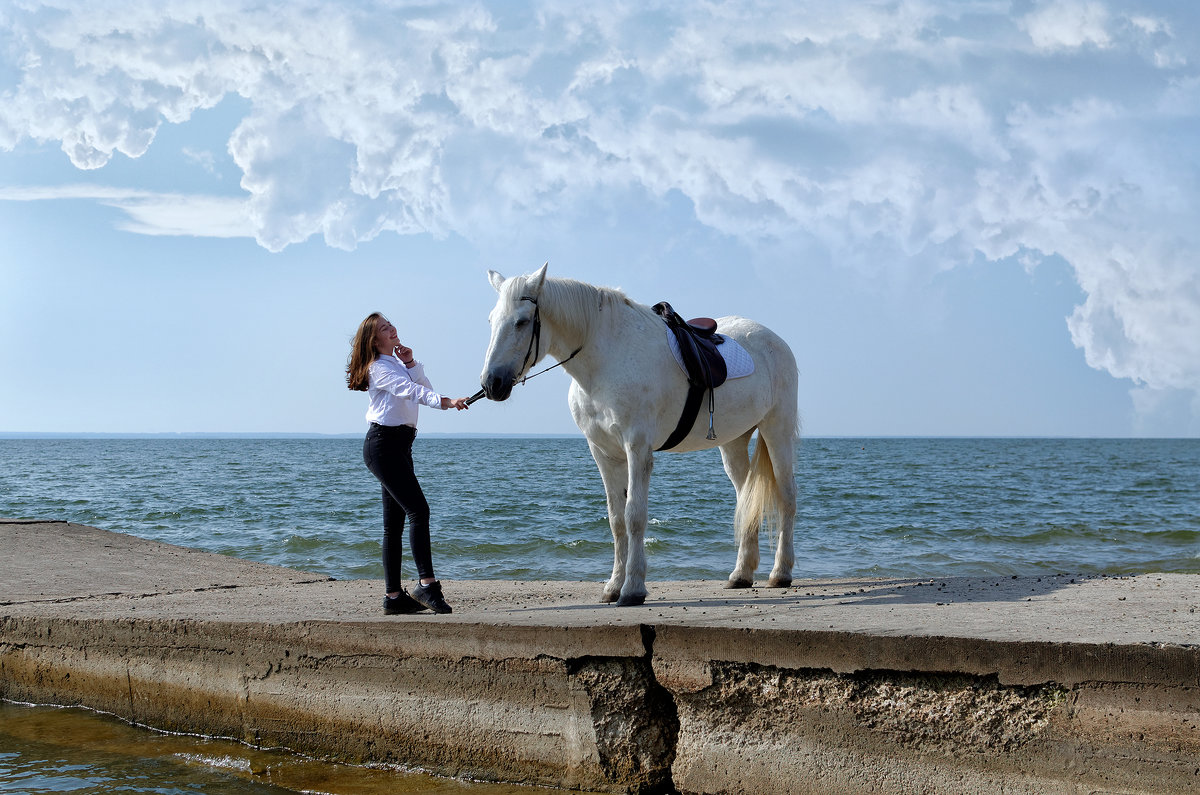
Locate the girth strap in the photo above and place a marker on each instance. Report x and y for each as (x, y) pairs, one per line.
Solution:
(705, 368)
(691, 408)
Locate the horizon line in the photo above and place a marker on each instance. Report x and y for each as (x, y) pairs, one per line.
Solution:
(14, 435)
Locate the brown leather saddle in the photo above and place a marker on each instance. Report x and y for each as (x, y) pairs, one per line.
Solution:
(698, 340)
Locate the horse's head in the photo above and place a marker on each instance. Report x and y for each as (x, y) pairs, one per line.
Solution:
(518, 339)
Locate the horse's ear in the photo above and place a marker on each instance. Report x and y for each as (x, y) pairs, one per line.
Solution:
(496, 279)
(535, 280)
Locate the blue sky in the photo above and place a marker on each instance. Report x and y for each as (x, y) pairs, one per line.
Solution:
(967, 218)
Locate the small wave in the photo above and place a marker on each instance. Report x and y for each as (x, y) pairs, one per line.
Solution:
(1087, 533)
(218, 762)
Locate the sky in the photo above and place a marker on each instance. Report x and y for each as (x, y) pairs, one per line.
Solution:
(971, 218)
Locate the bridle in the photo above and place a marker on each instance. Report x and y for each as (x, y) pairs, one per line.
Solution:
(534, 350)
(535, 339)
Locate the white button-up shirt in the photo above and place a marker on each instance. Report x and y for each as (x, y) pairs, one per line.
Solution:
(397, 392)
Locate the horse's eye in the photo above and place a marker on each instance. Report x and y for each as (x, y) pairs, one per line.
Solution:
(522, 323)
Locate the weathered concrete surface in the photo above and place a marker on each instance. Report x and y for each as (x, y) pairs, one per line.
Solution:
(1051, 684)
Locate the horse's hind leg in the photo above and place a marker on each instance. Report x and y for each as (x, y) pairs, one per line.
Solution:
(614, 473)
(780, 438)
(735, 456)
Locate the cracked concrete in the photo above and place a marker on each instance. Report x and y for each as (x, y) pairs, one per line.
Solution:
(1044, 684)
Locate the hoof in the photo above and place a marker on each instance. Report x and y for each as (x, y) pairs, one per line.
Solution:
(779, 582)
(607, 597)
(739, 583)
(631, 601)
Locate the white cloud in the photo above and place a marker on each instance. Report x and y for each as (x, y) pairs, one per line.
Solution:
(199, 216)
(150, 213)
(1066, 24)
(205, 159)
(911, 135)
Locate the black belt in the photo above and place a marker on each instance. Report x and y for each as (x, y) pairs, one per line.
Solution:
(409, 428)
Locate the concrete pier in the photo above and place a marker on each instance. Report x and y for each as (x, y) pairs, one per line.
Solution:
(1053, 684)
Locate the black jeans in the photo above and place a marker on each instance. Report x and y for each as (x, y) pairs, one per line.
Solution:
(387, 452)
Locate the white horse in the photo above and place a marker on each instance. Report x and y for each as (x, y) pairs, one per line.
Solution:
(626, 395)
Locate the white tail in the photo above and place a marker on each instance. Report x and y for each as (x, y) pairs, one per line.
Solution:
(760, 498)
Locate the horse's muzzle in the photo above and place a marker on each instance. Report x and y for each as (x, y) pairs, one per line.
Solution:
(497, 386)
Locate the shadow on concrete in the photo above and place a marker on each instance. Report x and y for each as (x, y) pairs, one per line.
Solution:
(935, 591)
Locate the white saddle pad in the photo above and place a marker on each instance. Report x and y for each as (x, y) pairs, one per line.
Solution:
(737, 359)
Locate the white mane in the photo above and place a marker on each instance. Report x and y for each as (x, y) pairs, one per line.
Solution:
(578, 304)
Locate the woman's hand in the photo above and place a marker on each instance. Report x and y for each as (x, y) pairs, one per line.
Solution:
(404, 354)
(455, 403)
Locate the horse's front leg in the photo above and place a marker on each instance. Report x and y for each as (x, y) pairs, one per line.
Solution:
(613, 472)
(640, 462)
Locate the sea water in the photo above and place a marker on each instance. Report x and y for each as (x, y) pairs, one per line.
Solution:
(534, 508)
(519, 508)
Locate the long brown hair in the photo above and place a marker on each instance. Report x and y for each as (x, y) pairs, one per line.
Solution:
(363, 353)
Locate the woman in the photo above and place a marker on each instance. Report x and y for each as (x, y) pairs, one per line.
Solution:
(396, 384)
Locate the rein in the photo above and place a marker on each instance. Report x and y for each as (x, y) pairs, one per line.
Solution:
(535, 343)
